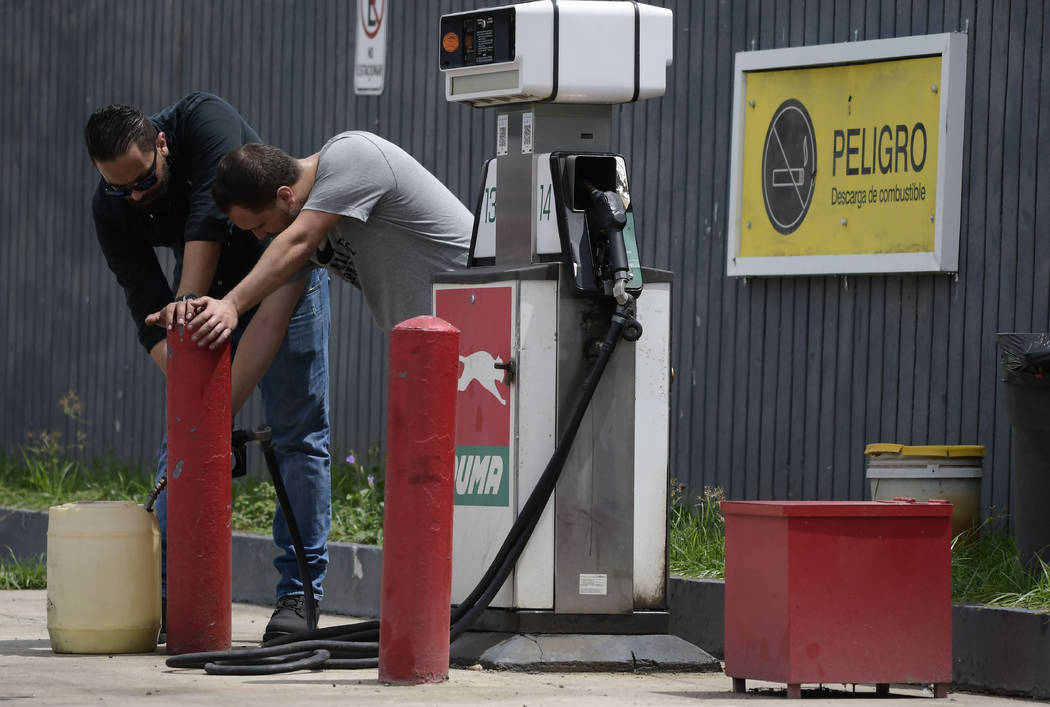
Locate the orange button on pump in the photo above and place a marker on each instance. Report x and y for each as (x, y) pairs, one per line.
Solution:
(450, 42)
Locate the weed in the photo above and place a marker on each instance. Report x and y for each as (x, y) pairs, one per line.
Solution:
(254, 501)
(16, 574)
(697, 534)
(987, 569)
(357, 498)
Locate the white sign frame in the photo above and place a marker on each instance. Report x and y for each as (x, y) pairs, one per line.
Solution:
(952, 47)
(370, 49)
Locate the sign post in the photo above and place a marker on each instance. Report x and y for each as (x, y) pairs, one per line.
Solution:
(370, 55)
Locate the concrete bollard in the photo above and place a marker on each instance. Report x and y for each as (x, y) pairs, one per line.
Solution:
(417, 518)
(199, 595)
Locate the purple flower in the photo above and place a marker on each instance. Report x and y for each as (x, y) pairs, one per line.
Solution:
(371, 480)
(350, 459)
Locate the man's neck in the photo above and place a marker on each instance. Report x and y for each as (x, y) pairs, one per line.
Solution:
(307, 174)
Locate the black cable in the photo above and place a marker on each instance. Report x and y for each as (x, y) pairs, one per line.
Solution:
(152, 498)
(293, 527)
(312, 661)
(303, 650)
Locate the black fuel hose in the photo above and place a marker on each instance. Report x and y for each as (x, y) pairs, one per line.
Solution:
(270, 454)
(351, 646)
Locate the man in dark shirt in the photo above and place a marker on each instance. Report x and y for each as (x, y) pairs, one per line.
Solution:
(155, 191)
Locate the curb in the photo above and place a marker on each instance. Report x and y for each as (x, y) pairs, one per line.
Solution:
(697, 609)
(355, 569)
(1006, 650)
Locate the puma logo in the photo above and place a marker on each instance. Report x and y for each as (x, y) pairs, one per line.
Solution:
(480, 366)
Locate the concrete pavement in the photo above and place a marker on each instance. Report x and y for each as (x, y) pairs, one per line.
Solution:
(31, 673)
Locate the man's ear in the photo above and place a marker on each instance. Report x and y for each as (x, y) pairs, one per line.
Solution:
(286, 195)
(162, 142)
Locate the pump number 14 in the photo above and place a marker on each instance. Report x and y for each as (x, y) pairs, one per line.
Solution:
(545, 202)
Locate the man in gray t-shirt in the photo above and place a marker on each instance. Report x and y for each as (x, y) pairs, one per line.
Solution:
(399, 225)
(362, 207)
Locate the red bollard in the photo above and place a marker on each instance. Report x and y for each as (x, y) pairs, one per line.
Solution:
(417, 518)
(199, 594)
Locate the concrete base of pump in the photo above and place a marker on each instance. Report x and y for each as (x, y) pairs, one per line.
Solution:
(580, 653)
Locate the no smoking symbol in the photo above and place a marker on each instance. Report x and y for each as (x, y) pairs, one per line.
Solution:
(789, 166)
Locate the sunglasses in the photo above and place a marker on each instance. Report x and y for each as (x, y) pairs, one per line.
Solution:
(142, 184)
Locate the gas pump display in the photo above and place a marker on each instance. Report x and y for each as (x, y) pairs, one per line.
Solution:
(477, 38)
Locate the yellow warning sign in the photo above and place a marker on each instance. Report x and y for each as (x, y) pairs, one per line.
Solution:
(841, 160)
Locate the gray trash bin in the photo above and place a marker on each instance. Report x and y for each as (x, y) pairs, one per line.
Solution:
(1026, 394)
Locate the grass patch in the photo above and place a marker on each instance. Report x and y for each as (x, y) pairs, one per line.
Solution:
(46, 473)
(357, 502)
(41, 477)
(986, 567)
(357, 498)
(698, 535)
(16, 574)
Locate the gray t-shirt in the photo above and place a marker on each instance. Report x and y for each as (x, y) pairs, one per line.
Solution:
(400, 224)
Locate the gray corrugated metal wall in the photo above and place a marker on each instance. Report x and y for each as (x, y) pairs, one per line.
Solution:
(779, 382)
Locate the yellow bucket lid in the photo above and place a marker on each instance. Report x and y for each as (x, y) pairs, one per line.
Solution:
(926, 450)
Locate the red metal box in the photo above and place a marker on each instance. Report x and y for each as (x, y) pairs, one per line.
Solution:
(850, 592)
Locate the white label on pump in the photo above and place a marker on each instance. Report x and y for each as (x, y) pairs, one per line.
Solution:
(545, 215)
(594, 584)
(526, 133)
(502, 134)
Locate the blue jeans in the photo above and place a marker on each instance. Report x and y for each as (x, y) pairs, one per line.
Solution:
(295, 406)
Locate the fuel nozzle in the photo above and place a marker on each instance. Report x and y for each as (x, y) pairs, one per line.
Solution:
(608, 215)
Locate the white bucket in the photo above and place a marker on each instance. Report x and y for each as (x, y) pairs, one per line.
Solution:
(949, 472)
(103, 578)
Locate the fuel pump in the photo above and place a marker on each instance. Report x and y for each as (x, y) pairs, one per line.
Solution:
(553, 263)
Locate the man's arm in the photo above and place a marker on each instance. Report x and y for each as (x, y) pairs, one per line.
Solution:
(200, 259)
(159, 354)
(137, 270)
(211, 129)
(281, 260)
(261, 340)
(259, 343)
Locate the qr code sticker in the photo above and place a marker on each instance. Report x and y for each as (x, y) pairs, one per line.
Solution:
(526, 133)
(502, 134)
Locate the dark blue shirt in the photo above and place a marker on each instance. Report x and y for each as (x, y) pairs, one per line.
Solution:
(199, 129)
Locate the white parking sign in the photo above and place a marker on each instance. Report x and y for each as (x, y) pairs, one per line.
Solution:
(370, 61)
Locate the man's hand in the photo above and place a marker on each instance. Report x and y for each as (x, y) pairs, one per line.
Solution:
(214, 321)
(178, 312)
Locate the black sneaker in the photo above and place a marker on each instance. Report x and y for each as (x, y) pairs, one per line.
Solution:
(289, 617)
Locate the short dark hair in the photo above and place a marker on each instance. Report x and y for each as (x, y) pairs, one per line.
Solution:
(112, 130)
(250, 176)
